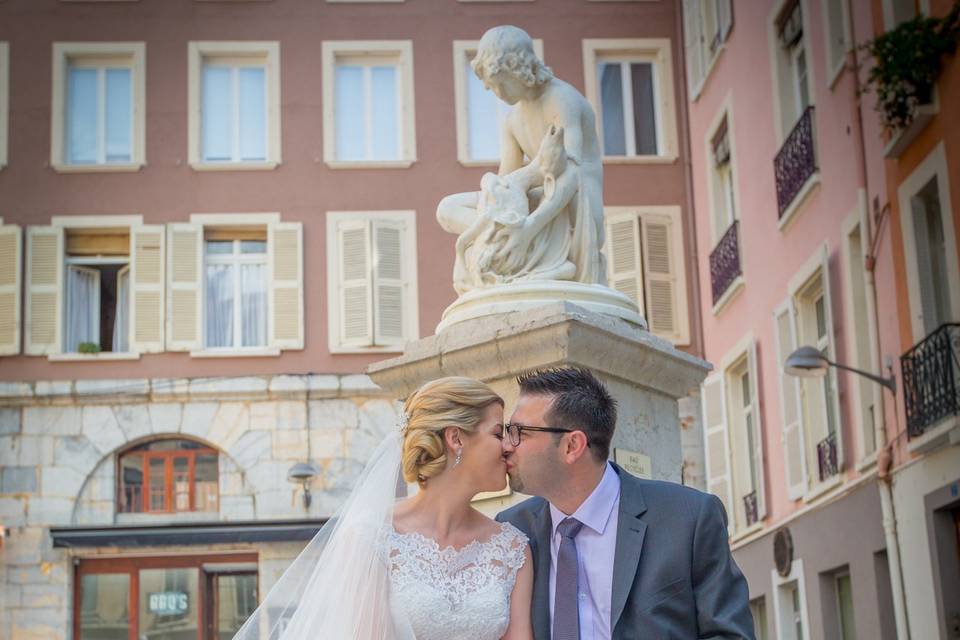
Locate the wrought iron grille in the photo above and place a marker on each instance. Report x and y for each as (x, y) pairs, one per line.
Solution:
(796, 161)
(725, 261)
(750, 507)
(827, 457)
(931, 379)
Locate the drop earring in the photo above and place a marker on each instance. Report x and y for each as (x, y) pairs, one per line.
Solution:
(459, 456)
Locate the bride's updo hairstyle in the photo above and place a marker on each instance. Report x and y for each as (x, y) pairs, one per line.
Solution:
(446, 402)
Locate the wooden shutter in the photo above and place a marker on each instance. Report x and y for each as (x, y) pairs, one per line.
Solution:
(831, 377)
(355, 297)
(624, 272)
(389, 282)
(791, 406)
(757, 452)
(662, 268)
(285, 306)
(694, 45)
(724, 18)
(44, 290)
(146, 288)
(717, 443)
(184, 286)
(10, 283)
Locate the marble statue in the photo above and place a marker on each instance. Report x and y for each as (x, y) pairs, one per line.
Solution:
(541, 220)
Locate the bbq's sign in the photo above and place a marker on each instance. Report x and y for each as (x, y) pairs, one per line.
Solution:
(168, 603)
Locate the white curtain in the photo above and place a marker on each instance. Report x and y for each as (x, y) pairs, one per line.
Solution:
(253, 287)
(219, 311)
(83, 305)
(121, 318)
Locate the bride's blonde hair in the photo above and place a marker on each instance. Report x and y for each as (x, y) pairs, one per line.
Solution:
(447, 402)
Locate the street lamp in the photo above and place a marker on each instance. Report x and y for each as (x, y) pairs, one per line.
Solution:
(303, 473)
(808, 362)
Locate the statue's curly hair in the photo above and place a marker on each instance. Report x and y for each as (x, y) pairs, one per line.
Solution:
(512, 51)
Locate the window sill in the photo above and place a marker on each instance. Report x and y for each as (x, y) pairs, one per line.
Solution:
(819, 489)
(867, 462)
(735, 287)
(747, 532)
(265, 352)
(808, 188)
(639, 159)
(165, 517)
(478, 163)
(905, 137)
(130, 167)
(83, 357)
(358, 350)
(369, 164)
(947, 431)
(234, 166)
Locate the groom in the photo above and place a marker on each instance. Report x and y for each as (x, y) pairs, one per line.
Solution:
(614, 556)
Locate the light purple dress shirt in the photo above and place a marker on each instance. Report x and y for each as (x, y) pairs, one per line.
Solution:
(596, 546)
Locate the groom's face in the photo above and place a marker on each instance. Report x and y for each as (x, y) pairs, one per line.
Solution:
(534, 464)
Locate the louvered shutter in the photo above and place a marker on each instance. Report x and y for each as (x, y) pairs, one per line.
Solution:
(10, 283)
(661, 266)
(717, 443)
(184, 286)
(285, 247)
(624, 272)
(757, 452)
(44, 290)
(724, 18)
(791, 406)
(831, 377)
(693, 44)
(146, 288)
(355, 296)
(388, 282)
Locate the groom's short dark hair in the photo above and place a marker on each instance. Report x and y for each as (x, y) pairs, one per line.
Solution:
(580, 402)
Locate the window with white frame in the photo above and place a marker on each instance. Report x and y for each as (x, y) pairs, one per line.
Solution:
(11, 279)
(724, 210)
(235, 285)
(372, 280)
(480, 114)
(630, 86)
(837, 35)
(98, 106)
(644, 253)
(94, 287)
(790, 603)
(861, 355)
(707, 25)
(790, 56)
(234, 94)
(4, 100)
(368, 103)
(758, 609)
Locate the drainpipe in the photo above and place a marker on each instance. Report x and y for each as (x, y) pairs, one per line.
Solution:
(883, 447)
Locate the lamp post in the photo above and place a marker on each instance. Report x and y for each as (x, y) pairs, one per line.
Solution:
(303, 473)
(808, 362)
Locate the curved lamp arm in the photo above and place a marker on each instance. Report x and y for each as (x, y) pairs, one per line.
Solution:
(890, 383)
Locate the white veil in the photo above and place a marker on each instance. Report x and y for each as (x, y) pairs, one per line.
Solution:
(338, 588)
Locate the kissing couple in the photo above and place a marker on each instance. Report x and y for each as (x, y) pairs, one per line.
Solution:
(596, 554)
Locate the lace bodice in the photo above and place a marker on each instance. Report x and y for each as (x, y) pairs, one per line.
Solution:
(448, 594)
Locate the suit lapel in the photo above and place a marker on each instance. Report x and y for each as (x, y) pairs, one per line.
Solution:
(540, 547)
(630, 533)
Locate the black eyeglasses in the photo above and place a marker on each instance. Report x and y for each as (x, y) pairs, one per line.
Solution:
(513, 430)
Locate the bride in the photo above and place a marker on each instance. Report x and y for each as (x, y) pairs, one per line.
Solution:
(428, 567)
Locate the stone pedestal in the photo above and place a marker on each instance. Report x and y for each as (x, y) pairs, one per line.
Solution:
(646, 374)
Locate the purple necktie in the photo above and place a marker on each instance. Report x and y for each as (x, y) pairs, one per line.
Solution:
(566, 605)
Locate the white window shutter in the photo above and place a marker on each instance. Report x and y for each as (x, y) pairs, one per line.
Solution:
(717, 443)
(10, 282)
(663, 278)
(285, 256)
(724, 18)
(44, 290)
(184, 286)
(355, 297)
(694, 45)
(389, 282)
(146, 288)
(791, 405)
(622, 248)
(757, 452)
(831, 377)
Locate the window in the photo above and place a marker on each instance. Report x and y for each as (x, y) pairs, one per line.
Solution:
(234, 95)
(644, 251)
(371, 280)
(897, 11)
(235, 285)
(480, 114)
(844, 603)
(94, 288)
(168, 476)
(733, 439)
(4, 100)
(837, 31)
(792, 81)
(790, 604)
(724, 210)
(758, 609)
(98, 106)
(707, 25)
(10, 282)
(630, 86)
(368, 103)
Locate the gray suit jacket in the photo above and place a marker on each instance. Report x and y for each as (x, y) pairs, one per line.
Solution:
(673, 574)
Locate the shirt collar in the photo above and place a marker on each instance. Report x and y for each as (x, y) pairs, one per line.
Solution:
(594, 512)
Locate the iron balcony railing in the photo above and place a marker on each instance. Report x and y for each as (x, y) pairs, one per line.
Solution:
(827, 457)
(795, 162)
(750, 507)
(725, 261)
(931, 379)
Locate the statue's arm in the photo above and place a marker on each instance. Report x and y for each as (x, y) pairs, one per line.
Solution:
(511, 155)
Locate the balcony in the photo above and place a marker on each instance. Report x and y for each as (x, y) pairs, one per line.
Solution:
(750, 508)
(827, 457)
(796, 162)
(725, 262)
(931, 379)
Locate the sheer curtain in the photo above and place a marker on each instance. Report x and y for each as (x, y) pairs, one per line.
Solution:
(83, 301)
(121, 322)
(219, 311)
(253, 292)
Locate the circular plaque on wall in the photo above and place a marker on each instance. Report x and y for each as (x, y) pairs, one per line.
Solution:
(783, 551)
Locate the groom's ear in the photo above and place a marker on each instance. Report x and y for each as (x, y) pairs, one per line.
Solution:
(575, 445)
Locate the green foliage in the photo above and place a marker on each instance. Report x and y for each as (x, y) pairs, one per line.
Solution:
(908, 61)
(88, 347)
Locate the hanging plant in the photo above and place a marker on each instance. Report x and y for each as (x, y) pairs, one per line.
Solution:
(88, 347)
(908, 60)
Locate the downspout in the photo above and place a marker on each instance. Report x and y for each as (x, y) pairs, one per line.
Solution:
(883, 447)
